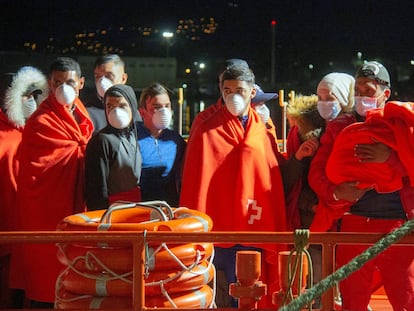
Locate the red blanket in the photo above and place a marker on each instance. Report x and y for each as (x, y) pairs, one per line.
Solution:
(292, 197)
(50, 184)
(233, 175)
(392, 126)
(10, 138)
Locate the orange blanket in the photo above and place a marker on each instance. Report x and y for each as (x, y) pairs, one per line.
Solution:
(392, 126)
(10, 138)
(50, 185)
(233, 175)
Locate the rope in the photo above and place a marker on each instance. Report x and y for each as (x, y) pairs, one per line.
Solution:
(350, 267)
(147, 256)
(301, 239)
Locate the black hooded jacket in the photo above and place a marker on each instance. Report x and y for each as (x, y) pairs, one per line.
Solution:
(113, 159)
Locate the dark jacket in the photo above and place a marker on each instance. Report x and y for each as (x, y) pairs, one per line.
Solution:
(113, 159)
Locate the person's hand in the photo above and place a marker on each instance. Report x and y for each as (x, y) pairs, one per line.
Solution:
(349, 191)
(376, 152)
(307, 149)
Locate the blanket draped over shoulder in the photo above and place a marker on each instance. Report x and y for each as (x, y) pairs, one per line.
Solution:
(232, 174)
(50, 184)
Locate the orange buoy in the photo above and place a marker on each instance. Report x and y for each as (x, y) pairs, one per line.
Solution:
(96, 259)
(105, 284)
(179, 281)
(199, 298)
(101, 274)
(137, 219)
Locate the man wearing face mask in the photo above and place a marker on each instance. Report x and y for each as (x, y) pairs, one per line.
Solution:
(19, 95)
(162, 149)
(50, 184)
(368, 209)
(258, 102)
(231, 173)
(108, 70)
(205, 114)
(113, 159)
(372, 87)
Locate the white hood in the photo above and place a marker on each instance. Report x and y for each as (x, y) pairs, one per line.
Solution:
(27, 77)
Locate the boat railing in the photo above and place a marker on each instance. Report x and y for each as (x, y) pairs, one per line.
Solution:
(138, 240)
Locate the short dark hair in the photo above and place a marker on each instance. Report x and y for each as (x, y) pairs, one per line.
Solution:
(151, 91)
(65, 64)
(237, 72)
(109, 58)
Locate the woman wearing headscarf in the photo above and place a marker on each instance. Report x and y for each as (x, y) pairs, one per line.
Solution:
(113, 159)
(335, 104)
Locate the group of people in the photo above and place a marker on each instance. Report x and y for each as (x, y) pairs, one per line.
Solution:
(63, 157)
(344, 181)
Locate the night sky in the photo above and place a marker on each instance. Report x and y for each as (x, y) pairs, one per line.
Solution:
(353, 24)
(308, 31)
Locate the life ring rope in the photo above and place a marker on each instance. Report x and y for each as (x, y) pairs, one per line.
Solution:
(150, 256)
(105, 269)
(120, 259)
(159, 206)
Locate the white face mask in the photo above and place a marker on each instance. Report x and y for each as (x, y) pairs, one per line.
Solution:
(119, 118)
(263, 112)
(328, 110)
(29, 106)
(65, 94)
(235, 104)
(364, 103)
(162, 118)
(102, 85)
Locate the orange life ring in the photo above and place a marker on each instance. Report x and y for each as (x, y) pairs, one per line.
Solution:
(200, 298)
(105, 284)
(137, 217)
(97, 259)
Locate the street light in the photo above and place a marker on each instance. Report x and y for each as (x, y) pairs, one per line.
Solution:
(167, 36)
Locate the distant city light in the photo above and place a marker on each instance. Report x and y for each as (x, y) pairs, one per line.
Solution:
(167, 34)
(202, 66)
(273, 22)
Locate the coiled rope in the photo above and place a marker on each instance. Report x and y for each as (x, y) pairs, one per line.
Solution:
(350, 267)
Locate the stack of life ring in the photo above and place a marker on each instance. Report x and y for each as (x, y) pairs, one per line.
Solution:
(100, 276)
